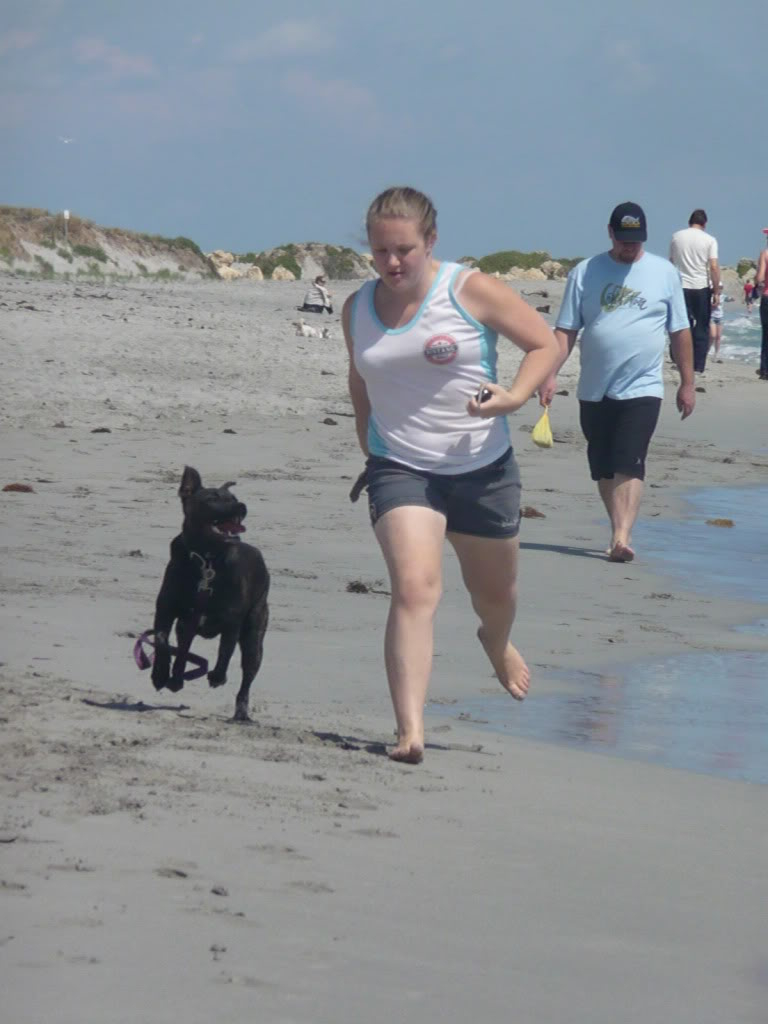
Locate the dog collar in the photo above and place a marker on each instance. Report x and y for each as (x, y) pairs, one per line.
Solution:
(207, 573)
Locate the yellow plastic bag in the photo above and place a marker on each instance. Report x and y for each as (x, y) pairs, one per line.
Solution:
(542, 432)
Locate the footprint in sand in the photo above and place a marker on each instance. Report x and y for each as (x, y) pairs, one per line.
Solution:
(316, 887)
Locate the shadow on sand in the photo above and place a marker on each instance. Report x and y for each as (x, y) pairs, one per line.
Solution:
(379, 748)
(564, 549)
(134, 706)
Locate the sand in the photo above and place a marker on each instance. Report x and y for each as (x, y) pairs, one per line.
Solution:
(160, 863)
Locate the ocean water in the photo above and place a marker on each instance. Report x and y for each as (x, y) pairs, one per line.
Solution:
(701, 711)
(741, 334)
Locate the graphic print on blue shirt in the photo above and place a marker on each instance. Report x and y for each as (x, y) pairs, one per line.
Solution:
(616, 295)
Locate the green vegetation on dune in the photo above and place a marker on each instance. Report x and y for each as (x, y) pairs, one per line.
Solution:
(341, 262)
(180, 242)
(92, 252)
(46, 268)
(503, 262)
(24, 213)
(281, 256)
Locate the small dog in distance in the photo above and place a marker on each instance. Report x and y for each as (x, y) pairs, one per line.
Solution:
(305, 330)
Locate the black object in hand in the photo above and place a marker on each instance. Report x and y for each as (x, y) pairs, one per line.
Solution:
(483, 394)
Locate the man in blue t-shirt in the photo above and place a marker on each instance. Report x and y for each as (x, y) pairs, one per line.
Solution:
(626, 301)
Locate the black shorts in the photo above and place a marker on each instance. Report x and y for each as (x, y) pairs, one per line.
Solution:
(618, 432)
(314, 308)
(483, 503)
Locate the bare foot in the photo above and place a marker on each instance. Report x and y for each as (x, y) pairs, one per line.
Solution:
(510, 668)
(621, 553)
(409, 751)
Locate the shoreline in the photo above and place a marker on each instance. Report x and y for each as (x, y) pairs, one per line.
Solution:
(649, 710)
(289, 861)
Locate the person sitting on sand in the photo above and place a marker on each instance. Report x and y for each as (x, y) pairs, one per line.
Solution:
(318, 298)
(626, 300)
(422, 342)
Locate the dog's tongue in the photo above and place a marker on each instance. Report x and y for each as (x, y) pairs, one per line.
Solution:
(231, 526)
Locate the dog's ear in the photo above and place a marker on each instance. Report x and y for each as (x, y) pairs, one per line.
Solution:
(228, 484)
(190, 482)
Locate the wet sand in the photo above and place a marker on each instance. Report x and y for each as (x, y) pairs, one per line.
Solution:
(159, 862)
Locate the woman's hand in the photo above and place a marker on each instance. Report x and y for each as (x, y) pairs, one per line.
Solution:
(500, 403)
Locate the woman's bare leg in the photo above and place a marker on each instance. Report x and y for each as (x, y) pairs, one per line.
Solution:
(489, 568)
(411, 540)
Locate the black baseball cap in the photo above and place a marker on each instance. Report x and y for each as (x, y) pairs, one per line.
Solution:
(628, 223)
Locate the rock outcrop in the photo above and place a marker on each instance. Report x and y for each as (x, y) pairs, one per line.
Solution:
(304, 260)
(283, 274)
(553, 269)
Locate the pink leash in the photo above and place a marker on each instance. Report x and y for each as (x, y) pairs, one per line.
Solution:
(144, 660)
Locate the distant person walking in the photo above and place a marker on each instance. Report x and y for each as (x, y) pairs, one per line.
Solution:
(760, 288)
(716, 327)
(625, 300)
(318, 298)
(694, 253)
(749, 293)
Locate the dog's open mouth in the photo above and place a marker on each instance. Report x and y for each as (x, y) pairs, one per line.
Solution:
(228, 527)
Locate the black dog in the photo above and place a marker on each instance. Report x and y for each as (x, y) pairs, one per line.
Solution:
(213, 585)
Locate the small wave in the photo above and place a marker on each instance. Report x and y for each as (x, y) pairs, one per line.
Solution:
(740, 353)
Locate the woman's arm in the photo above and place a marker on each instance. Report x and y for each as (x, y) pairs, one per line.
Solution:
(762, 268)
(357, 389)
(499, 307)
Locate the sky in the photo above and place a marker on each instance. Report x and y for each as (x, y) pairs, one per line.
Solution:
(245, 125)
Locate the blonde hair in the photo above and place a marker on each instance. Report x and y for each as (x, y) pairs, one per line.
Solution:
(405, 202)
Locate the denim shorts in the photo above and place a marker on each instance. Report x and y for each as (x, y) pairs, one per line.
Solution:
(483, 503)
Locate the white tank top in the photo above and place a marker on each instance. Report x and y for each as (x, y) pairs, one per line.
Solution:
(419, 378)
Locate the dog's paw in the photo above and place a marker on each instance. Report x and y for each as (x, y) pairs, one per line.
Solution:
(241, 713)
(159, 678)
(216, 677)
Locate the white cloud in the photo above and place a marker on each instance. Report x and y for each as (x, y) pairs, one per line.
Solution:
(119, 64)
(287, 39)
(17, 40)
(629, 72)
(330, 94)
(339, 101)
(449, 52)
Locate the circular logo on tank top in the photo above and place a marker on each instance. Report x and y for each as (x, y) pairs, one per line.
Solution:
(440, 348)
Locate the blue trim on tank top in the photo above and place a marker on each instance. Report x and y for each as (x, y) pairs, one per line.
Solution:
(353, 309)
(414, 319)
(376, 443)
(488, 337)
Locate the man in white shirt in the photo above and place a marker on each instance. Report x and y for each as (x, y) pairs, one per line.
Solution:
(694, 253)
